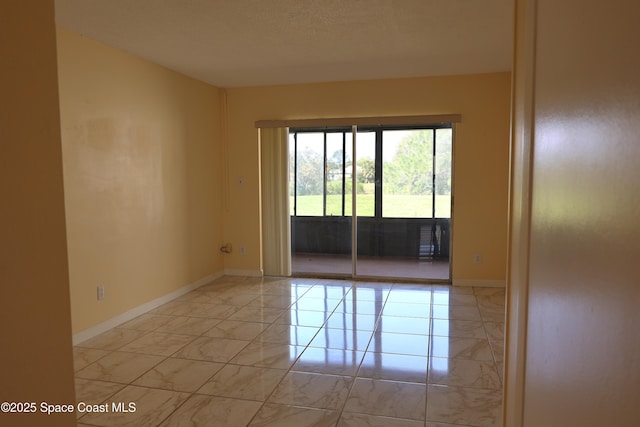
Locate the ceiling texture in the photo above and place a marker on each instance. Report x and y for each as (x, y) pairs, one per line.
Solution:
(233, 43)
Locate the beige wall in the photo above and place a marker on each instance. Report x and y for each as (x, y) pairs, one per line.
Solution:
(582, 353)
(36, 358)
(481, 153)
(142, 175)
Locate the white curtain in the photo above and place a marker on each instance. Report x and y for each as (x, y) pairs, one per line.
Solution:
(276, 223)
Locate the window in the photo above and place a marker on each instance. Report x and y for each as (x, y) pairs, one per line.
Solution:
(320, 172)
(401, 172)
(308, 188)
(416, 173)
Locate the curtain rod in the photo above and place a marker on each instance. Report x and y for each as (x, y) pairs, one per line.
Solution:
(362, 121)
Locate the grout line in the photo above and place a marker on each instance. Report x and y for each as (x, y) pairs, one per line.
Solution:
(289, 370)
(284, 310)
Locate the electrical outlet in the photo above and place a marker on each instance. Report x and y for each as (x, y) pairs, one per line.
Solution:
(100, 292)
(477, 258)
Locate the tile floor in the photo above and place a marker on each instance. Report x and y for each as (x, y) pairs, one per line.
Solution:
(302, 352)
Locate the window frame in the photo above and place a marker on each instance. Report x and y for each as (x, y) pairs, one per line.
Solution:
(378, 160)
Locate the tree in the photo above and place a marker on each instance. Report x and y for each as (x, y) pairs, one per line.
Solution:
(443, 162)
(309, 179)
(334, 166)
(411, 169)
(366, 170)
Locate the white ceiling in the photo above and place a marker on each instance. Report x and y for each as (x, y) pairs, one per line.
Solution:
(231, 43)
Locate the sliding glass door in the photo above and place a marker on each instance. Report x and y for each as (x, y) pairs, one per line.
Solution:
(320, 190)
(408, 237)
(402, 182)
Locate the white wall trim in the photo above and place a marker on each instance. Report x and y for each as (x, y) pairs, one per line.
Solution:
(480, 283)
(141, 309)
(249, 273)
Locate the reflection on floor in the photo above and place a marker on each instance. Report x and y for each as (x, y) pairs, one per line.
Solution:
(410, 268)
(300, 352)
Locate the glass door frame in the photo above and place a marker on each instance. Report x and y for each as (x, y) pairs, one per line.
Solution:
(378, 202)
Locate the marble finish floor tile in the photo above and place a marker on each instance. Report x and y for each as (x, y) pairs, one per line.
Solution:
(312, 390)
(290, 289)
(151, 405)
(434, 424)
(495, 302)
(119, 367)
(146, 322)
(497, 348)
(179, 374)
(273, 414)
(236, 330)
(464, 373)
(256, 314)
(288, 334)
(243, 382)
(405, 309)
(176, 308)
(375, 292)
(394, 367)
(447, 298)
(358, 306)
(291, 293)
(212, 349)
(329, 361)
(195, 309)
(490, 292)
(495, 331)
(233, 298)
(403, 325)
(204, 297)
(213, 411)
(388, 398)
(324, 292)
(95, 392)
(461, 348)
(85, 356)
(268, 355)
(459, 312)
(303, 318)
(493, 315)
(289, 351)
(384, 342)
(458, 328)
(349, 419)
(158, 343)
(500, 368)
(212, 311)
(342, 339)
(188, 325)
(402, 294)
(113, 339)
(273, 301)
(315, 304)
(465, 406)
(352, 321)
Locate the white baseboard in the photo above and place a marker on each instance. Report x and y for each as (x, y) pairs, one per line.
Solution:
(141, 309)
(480, 283)
(248, 273)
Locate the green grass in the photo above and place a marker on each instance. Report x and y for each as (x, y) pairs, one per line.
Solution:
(394, 206)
